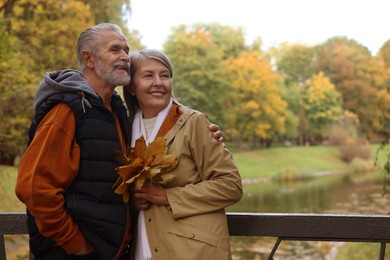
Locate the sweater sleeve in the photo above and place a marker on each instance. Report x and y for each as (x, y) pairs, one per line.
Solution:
(47, 169)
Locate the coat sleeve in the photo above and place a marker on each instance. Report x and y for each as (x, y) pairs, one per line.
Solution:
(46, 170)
(220, 184)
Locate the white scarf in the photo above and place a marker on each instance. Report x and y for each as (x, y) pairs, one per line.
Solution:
(138, 128)
(142, 251)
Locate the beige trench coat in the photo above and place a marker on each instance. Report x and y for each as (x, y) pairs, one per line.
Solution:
(207, 180)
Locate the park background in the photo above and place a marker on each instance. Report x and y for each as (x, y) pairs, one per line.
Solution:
(290, 113)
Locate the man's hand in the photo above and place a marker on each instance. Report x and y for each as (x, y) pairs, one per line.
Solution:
(216, 132)
(84, 250)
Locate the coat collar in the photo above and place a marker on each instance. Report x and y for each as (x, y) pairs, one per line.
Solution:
(174, 121)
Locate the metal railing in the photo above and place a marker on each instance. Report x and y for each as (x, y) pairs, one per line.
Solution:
(282, 226)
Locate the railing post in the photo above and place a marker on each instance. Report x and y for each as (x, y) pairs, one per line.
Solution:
(271, 255)
(2, 248)
(382, 251)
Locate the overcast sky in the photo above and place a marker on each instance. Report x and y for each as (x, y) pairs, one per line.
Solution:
(275, 21)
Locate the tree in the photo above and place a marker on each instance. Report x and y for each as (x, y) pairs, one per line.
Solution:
(347, 64)
(295, 121)
(296, 63)
(36, 36)
(384, 53)
(199, 80)
(16, 88)
(380, 75)
(40, 36)
(54, 26)
(322, 105)
(112, 11)
(258, 111)
(229, 39)
(382, 124)
(48, 30)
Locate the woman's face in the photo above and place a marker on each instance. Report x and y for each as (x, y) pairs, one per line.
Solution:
(152, 86)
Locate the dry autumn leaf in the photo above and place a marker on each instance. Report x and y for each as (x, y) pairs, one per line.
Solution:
(144, 162)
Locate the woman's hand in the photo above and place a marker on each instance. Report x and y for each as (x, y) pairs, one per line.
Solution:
(151, 192)
(141, 204)
(216, 132)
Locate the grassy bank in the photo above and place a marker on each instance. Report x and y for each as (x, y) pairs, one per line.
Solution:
(272, 162)
(8, 200)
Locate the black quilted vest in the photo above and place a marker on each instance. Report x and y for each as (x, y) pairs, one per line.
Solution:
(90, 200)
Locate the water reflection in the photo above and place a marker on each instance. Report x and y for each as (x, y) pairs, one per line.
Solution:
(338, 194)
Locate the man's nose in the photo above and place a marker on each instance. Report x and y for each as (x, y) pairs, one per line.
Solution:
(125, 56)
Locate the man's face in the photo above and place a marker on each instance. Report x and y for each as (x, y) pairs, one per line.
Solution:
(112, 59)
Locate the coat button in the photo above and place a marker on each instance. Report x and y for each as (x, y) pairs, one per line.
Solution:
(149, 219)
(192, 235)
(156, 249)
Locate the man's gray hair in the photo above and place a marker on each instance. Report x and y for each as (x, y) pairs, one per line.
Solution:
(90, 39)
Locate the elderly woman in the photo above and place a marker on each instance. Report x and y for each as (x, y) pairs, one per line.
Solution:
(185, 218)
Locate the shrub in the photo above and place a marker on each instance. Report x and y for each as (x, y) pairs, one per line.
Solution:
(337, 136)
(360, 165)
(359, 149)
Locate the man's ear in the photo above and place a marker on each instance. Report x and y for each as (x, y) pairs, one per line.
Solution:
(88, 59)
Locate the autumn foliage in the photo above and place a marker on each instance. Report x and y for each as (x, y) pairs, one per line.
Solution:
(292, 92)
(36, 37)
(144, 162)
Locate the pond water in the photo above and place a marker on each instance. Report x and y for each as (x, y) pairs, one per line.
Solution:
(338, 194)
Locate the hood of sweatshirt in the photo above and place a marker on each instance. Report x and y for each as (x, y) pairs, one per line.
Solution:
(59, 82)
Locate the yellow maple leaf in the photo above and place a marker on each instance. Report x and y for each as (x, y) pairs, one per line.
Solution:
(144, 162)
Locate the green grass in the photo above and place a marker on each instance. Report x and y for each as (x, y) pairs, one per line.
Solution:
(360, 251)
(9, 202)
(304, 160)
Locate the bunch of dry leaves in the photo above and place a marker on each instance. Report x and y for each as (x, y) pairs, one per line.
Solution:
(144, 162)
